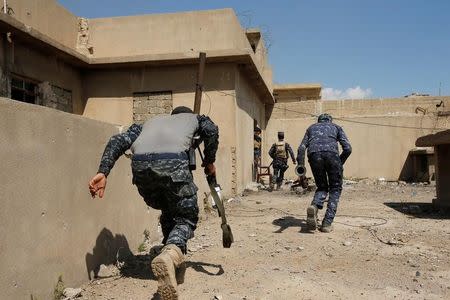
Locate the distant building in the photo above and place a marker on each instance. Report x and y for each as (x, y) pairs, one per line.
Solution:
(441, 143)
(297, 92)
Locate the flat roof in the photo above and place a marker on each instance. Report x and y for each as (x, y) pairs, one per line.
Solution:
(297, 86)
(439, 138)
(38, 40)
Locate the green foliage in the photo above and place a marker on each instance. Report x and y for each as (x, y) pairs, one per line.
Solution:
(58, 291)
(142, 247)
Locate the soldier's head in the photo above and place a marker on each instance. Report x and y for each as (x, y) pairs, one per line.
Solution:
(325, 118)
(182, 110)
(257, 130)
(280, 135)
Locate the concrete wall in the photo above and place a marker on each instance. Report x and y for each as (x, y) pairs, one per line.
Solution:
(248, 109)
(48, 17)
(442, 156)
(23, 60)
(49, 225)
(110, 99)
(361, 107)
(378, 151)
(167, 33)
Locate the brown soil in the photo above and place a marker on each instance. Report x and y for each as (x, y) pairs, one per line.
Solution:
(388, 242)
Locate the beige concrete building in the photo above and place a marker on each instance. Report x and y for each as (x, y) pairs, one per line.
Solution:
(297, 92)
(126, 69)
(382, 131)
(118, 71)
(441, 143)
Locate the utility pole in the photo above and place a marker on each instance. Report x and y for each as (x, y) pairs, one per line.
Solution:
(199, 85)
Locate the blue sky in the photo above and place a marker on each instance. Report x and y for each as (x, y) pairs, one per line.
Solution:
(384, 47)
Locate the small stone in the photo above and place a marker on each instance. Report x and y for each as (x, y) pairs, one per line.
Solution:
(252, 235)
(217, 297)
(71, 293)
(418, 273)
(106, 271)
(347, 243)
(300, 248)
(287, 248)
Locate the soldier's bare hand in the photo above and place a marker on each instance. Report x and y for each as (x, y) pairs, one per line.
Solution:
(97, 185)
(210, 169)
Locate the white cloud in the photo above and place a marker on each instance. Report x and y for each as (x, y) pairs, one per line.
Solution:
(350, 93)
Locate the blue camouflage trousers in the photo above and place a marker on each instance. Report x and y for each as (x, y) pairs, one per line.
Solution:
(279, 167)
(167, 185)
(327, 171)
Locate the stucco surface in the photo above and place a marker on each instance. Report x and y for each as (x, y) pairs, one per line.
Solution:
(48, 17)
(378, 151)
(49, 224)
(167, 33)
(110, 99)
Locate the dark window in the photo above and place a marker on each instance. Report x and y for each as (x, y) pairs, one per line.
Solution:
(23, 90)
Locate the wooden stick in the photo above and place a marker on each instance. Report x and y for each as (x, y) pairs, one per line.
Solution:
(199, 85)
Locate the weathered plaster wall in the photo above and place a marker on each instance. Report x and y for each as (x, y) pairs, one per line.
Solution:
(24, 61)
(49, 224)
(248, 109)
(167, 33)
(110, 98)
(48, 17)
(378, 151)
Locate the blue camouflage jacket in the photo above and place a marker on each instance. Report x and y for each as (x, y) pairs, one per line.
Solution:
(324, 136)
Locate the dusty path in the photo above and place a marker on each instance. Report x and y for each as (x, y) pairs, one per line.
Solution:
(405, 255)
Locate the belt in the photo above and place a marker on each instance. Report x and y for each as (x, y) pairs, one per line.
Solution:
(158, 156)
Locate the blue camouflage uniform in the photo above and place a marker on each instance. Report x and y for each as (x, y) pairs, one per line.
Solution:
(326, 164)
(160, 168)
(280, 163)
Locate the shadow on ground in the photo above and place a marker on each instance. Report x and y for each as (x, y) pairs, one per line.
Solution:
(419, 210)
(105, 251)
(289, 221)
(138, 266)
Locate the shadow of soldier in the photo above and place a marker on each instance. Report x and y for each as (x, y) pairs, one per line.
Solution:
(108, 249)
(289, 221)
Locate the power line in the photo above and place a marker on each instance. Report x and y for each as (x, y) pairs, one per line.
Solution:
(362, 122)
(342, 119)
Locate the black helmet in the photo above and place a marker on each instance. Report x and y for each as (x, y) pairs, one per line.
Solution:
(182, 110)
(325, 118)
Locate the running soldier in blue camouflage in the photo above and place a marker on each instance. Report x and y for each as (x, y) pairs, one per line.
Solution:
(161, 173)
(327, 167)
(280, 152)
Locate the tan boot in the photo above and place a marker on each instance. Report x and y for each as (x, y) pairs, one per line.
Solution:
(164, 267)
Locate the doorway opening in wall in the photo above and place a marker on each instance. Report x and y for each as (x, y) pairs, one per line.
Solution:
(257, 147)
(23, 89)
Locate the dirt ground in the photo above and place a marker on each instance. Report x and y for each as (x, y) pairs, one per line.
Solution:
(388, 242)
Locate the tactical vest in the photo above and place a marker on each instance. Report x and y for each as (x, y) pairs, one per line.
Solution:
(281, 150)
